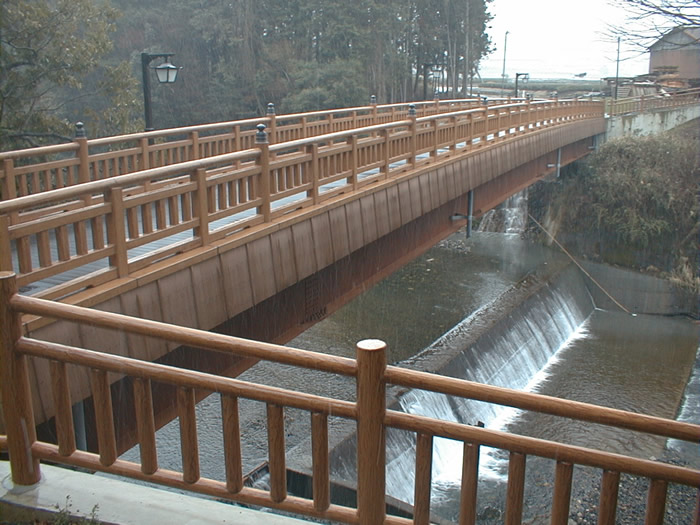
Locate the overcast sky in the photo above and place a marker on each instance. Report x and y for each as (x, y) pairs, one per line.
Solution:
(557, 39)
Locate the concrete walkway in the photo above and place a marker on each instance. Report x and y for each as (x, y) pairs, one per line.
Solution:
(117, 502)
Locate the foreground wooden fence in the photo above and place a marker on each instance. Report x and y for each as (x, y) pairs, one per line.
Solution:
(88, 234)
(369, 411)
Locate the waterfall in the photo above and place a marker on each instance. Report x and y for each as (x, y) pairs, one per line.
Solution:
(513, 354)
(509, 217)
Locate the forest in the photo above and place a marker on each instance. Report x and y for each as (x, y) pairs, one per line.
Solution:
(63, 61)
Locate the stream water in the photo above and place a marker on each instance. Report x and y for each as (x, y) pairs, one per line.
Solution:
(564, 347)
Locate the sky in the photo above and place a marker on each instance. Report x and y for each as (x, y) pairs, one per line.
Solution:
(558, 39)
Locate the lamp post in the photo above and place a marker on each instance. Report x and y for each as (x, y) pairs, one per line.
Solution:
(525, 76)
(503, 74)
(166, 73)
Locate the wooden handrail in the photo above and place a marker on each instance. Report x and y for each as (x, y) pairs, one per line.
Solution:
(369, 411)
(183, 201)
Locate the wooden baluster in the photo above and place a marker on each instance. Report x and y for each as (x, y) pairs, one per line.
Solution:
(656, 502)
(275, 443)
(263, 160)
(470, 482)
(515, 490)
(371, 433)
(5, 244)
(188, 434)
(145, 154)
(62, 242)
(16, 394)
(65, 432)
(424, 467)
(232, 443)
(194, 153)
(315, 172)
(562, 493)
(8, 189)
(43, 246)
(116, 232)
(104, 418)
(608, 497)
(354, 162)
(80, 237)
(145, 425)
(201, 207)
(321, 466)
(387, 153)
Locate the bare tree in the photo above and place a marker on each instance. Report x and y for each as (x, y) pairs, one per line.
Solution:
(648, 20)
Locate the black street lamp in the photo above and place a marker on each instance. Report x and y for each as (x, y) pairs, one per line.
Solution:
(526, 77)
(166, 73)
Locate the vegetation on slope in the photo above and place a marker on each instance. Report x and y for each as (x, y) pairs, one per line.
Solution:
(634, 203)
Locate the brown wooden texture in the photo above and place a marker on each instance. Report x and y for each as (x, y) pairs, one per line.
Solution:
(609, 489)
(470, 482)
(562, 493)
(516, 489)
(145, 424)
(189, 446)
(275, 443)
(424, 467)
(65, 433)
(232, 443)
(104, 416)
(321, 465)
(656, 502)
(371, 445)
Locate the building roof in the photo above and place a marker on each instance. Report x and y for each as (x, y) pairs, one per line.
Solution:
(680, 36)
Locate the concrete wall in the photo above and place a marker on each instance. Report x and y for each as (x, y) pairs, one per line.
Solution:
(647, 123)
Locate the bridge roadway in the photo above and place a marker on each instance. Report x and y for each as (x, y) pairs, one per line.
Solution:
(263, 242)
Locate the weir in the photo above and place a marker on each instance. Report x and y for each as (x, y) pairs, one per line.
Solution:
(509, 353)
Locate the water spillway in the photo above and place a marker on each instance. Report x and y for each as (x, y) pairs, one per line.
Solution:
(512, 353)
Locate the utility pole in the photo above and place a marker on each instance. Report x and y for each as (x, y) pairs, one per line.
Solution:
(503, 74)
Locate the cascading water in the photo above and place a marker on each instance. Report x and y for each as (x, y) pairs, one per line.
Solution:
(510, 355)
(509, 217)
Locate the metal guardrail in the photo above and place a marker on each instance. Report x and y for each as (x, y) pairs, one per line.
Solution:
(651, 102)
(91, 233)
(369, 411)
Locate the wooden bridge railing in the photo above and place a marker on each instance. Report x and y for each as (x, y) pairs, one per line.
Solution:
(371, 376)
(648, 102)
(35, 170)
(112, 228)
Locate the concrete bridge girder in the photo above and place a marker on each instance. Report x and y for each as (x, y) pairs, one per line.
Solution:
(277, 280)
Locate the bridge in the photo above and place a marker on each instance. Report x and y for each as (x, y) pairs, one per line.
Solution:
(257, 229)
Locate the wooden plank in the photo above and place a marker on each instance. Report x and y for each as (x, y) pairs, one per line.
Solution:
(175, 292)
(303, 249)
(209, 299)
(283, 261)
(143, 302)
(354, 218)
(104, 339)
(262, 274)
(369, 219)
(416, 199)
(236, 280)
(393, 207)
(339, 232)
(382, 213)
(323, 245)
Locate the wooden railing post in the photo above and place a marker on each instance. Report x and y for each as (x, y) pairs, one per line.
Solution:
(272, 133)
(263, 144)
(371, 437)
(315, 172)
(116, 232)
(16, 395)
(412, 118)
(201, 206)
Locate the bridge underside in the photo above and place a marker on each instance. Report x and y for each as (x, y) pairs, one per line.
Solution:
(278, 281)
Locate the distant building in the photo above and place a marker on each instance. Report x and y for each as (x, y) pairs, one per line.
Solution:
(675, 57)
